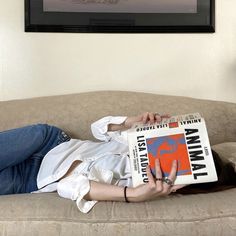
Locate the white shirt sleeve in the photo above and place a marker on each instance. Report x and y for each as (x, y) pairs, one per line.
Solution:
(100, 128)
(75, 187)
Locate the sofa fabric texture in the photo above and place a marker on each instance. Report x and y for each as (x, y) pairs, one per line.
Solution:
(48, 214)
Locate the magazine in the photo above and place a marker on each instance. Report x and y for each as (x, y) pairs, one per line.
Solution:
(183, 138)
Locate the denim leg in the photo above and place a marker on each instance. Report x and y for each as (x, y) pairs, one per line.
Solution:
(17, 145)
(31, 166)
(21, 153)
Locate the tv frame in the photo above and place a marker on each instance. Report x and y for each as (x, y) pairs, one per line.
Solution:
(36, 20)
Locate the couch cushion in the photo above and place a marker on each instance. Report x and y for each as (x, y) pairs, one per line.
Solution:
(74, 113)
(227, 151)
(48, 214)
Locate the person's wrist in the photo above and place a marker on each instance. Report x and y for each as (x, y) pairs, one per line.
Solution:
(124, 124)
(131, 195)
(127, 123)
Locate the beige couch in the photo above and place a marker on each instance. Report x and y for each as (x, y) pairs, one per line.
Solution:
(48, 214)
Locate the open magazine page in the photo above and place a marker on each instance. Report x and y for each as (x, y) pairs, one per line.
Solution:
(183, 138)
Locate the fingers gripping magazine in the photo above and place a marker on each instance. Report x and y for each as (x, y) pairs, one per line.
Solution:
(183, 138)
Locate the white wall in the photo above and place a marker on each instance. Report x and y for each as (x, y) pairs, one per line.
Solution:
(41, 64)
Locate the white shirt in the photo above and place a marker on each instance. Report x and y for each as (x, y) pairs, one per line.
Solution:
(105, 161)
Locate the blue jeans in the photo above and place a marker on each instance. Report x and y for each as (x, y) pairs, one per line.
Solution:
(21, 153)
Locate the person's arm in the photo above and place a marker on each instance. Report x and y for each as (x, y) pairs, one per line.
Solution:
(146, 117)
(87, 192)
(153, 189)
(103, 126)
(100, 128)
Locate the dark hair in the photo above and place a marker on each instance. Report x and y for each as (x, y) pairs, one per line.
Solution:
(226, 179)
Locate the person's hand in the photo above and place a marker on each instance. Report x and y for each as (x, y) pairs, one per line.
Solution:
(147, 117)
(155, 187)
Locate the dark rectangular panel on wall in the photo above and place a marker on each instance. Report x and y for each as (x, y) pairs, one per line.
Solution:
(120, 16)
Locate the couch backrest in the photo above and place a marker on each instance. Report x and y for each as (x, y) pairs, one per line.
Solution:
(74, 113)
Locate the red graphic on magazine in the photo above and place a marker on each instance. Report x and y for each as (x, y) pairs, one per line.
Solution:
(173, 125)
(167, 149)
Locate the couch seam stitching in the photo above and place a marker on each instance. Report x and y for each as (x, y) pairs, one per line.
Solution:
(120, 221)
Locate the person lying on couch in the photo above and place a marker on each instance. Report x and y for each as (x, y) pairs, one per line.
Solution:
(43, 158)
